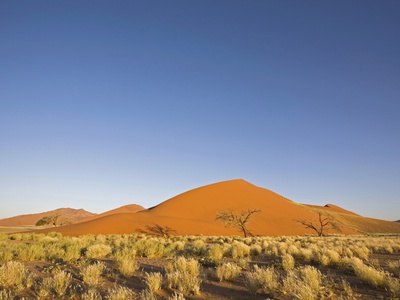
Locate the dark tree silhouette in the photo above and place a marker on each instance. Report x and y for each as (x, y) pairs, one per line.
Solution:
(47, 220)
(230, 219)
(323, 224)
(158, 230)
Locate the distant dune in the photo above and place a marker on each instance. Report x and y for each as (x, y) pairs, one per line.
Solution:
(194, 212)
(130, 208)
(67, 216)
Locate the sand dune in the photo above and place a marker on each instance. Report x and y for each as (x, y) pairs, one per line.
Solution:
(194, 212)
(130, 208)
(67, 216)
(332, 208)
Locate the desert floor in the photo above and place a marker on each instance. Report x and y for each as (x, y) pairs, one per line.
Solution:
(38, 266)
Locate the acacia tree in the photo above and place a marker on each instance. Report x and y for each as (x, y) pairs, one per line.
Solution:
(323, 224)
(52, 219)
(230, 219)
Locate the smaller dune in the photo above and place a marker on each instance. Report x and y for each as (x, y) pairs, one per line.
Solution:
(130, 208)
(66, 216)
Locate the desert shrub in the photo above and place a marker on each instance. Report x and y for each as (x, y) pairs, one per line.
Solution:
(367, 274)
(243, 263)
(311, 276)
(44, 288)
(183, 282)
(72, 249)
(53, 252)
(29, 252)
(7, 295)
(288, 262)
(268, 279)
(176, 296)
(91, 273)
(199, 248)
(361, 252)
(251, 282)
(393, 287)
(150, 247)
(146, 295)
(13, 275)
(374, 277)
(3, 237)
(228, 271)
(304, 254)
(333, 258)
(58, 284)
(215, 252)
(282, 248)
(394, 267)
(91, 294)
(61, 282)
(6, 253)
(153, 281)
(191, 266)
(126, 265)
(348, 291)
(302, 283)
(255, 250)
(239, 250)
(177, 246)
(292, 250)
(98, 251)
(272, 250)
(183, 274)
(16, 237)
(120, 293)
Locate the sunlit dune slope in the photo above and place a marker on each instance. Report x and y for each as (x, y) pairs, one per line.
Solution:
(194, 212)
(67, 216)
(130, 208)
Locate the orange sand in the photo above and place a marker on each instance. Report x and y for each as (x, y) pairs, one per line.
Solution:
(194, 212)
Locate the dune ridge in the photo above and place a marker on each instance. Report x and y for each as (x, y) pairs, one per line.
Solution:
(129, 208)
(193, 213)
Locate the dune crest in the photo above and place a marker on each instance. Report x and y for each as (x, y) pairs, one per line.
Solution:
(130, 208)
(194, 212)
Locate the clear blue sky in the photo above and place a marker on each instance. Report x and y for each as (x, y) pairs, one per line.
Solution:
(107, 103)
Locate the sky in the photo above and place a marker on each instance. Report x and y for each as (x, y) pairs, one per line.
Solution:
(108, 103)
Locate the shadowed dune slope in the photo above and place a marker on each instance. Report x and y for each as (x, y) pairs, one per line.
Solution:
(329, 208)
(357, 223)
(67, 216)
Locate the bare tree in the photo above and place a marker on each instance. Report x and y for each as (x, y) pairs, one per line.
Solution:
(323, 224)
(230, 219)
(158, 230)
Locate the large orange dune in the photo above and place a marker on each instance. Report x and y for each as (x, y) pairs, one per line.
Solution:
(194, 212)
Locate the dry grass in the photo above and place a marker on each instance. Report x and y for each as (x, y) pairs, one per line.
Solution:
(91, 273)
(50, 266)
(153, 281)
(228, 271)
